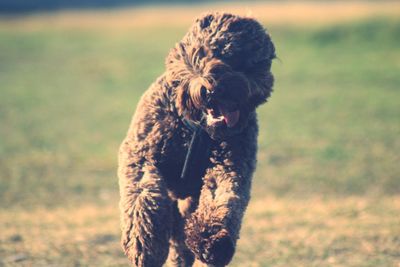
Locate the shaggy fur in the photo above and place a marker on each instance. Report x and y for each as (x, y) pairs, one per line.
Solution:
(215, 78)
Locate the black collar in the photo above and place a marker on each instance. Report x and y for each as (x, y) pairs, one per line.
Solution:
(197, 156)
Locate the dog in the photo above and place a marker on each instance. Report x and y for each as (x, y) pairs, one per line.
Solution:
(186, 164)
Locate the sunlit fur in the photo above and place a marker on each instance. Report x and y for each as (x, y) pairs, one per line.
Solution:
(223, 57)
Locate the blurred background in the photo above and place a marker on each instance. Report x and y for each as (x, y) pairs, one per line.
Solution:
(327, 187)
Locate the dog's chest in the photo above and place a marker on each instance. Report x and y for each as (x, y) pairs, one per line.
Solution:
(172, 162)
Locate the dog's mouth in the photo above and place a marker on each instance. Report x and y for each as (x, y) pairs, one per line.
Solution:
(222, 115)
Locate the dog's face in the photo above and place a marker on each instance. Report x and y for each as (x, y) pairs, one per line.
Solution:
(221, 72)
(218, 99)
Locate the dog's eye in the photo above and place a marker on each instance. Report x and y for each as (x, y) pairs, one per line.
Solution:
(206, 95)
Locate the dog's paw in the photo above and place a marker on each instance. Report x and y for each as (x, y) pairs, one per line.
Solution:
(209, 242)
(218, 249)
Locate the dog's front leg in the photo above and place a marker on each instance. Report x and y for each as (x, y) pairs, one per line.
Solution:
(145, 211)
(212, 230)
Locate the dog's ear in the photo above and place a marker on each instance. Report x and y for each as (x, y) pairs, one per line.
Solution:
(183, 103)
(261, 89)
(178, 67)
(182, 65)
(258, 69)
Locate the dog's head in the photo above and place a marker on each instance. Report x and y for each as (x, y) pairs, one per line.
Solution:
(221, 71)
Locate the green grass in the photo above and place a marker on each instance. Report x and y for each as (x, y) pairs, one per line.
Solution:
(330, 130)
(332, 125)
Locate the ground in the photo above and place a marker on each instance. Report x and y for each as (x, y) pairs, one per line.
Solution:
(351, 231)
(327, 188)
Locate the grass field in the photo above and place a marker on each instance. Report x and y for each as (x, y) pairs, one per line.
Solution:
(327, 188)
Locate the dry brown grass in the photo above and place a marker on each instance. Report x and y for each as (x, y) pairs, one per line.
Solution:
(318, 232)
(297, 13)
(283, 232)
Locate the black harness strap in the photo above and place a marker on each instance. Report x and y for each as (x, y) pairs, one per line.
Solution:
(197, 156)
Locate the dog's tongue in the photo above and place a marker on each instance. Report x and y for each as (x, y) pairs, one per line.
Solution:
(230, 118)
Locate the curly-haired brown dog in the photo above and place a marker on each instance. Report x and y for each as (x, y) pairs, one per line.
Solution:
(215, 78)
